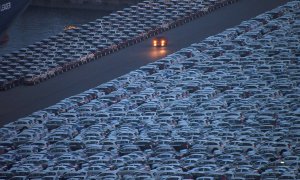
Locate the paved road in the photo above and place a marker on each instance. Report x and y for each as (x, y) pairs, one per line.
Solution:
(23, 100)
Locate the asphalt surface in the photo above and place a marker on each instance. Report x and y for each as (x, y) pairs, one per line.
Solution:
(23, 100)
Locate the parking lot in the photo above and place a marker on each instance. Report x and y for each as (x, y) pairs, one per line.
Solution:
(79, 45)
(225, 107)
(27, 99)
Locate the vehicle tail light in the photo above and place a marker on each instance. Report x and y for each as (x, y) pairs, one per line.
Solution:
(163, 42)
(154, 43)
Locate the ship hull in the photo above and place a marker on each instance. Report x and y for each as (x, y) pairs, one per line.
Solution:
(9, 10)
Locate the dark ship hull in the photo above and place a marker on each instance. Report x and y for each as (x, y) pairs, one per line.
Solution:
(9, 10)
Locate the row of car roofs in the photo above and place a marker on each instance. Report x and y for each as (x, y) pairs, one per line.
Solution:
(227, 107)
(74, 47)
